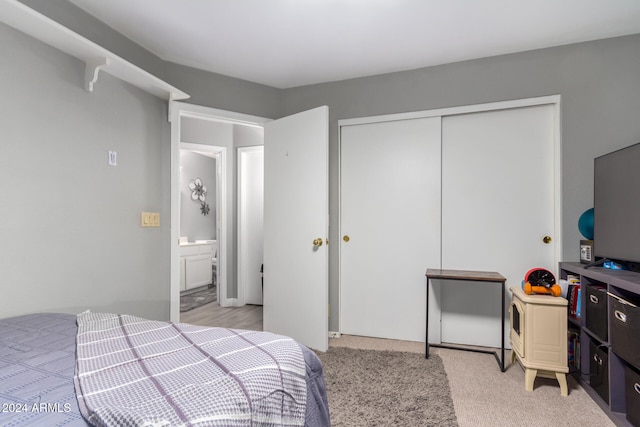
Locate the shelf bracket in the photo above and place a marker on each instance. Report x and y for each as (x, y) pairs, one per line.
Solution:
(91, 70)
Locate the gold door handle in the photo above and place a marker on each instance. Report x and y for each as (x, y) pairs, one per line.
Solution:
(346, 238)
(546, 239)
(317, 242)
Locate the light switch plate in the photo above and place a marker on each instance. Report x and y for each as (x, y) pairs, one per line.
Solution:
(150, 219)
(113, 158)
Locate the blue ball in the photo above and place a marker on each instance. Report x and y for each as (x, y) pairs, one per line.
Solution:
(585, 224)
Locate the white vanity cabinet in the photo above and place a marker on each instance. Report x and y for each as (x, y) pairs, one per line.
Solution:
(195, 265)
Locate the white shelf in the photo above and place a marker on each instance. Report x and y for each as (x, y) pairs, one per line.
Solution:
(95, 57)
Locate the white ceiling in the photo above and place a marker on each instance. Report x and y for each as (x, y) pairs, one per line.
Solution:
(288, 43)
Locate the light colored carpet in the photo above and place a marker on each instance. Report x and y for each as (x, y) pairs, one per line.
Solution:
(484, 396)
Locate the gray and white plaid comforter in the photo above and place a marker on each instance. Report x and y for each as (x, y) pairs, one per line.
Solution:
(134, 371)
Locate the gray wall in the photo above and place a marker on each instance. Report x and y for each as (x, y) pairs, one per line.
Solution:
(598, 82)
(208, 89)
(193, 224)
(225, 93)
(70, 235)
(130, 270)
(600, 87)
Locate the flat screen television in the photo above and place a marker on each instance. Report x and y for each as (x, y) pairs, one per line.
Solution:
(616, 206)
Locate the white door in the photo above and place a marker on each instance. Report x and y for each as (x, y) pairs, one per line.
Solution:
(390, 225)
(498, 204)
(295, 215)
(250, 222)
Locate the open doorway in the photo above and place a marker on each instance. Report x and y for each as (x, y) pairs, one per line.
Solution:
(200, 206)
(296, 174)
(193, 127)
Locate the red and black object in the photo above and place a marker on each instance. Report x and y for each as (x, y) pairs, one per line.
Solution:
(541, 281)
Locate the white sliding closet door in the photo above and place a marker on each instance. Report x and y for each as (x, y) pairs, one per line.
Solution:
(390, 215)
(497, 207)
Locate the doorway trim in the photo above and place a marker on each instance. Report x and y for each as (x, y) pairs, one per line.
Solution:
(245, 219)
(177, 111)
(554, 100)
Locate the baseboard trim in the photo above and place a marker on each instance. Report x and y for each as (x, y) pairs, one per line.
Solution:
(229, 302)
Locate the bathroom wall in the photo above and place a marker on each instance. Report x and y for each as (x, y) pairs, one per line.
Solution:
(193, 224)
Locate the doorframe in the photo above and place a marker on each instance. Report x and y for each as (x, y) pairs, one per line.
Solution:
(553, 100)
(243, 239)
(178, 110)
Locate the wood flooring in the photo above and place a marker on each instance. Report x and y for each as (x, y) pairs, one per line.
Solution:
(212, 314)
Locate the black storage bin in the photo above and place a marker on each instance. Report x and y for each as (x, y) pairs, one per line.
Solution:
(632, 394)
(624, 321)
(596, 311)
(599, 370)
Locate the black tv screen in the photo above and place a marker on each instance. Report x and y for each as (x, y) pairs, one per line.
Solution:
(616, 213)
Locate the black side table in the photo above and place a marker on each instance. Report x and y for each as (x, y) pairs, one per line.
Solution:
(471, 276)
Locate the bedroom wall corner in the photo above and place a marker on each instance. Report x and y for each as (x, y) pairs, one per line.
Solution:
(70, 223)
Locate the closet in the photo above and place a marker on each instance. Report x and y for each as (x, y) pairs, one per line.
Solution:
(390, 205)
(472, 188)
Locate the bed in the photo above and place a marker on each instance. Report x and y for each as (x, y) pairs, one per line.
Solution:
(111, 369)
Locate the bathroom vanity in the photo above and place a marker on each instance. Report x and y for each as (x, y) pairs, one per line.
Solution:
(196, 260)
